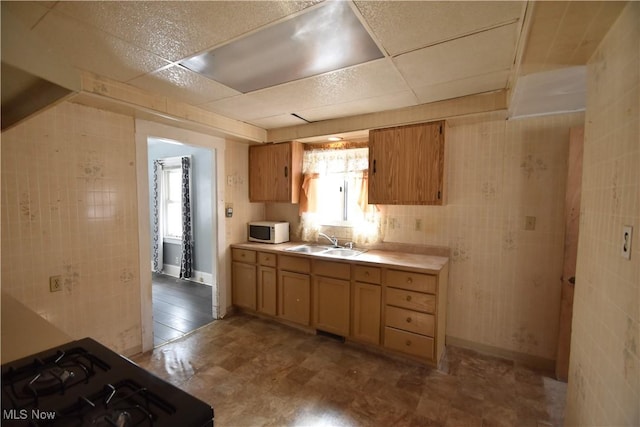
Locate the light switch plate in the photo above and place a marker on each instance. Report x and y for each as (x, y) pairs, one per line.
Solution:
(627, 234)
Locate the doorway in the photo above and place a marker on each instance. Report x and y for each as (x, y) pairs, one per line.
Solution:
(180, 177)
(212, 149)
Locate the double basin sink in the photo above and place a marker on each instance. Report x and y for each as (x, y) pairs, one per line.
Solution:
(326, 251)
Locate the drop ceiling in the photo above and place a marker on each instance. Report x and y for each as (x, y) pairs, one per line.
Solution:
(430, 50)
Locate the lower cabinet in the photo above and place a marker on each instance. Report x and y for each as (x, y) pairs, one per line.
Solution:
(267, 291)
(294, 294)
(366, 313)
(244, 285)
(331, 302)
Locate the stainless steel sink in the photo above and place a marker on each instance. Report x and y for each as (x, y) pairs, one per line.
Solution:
(308, 249)
(343, 252)
(325, 250)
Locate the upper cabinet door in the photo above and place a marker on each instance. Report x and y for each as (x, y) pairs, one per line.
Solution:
(275, 172)
(406, 165)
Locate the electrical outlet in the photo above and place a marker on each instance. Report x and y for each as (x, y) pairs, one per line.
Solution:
(627, 233)
(55, 283)
(418, 226)
(529, 222)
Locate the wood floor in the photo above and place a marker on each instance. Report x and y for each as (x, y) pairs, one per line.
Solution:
(256, 373)
(179, 307)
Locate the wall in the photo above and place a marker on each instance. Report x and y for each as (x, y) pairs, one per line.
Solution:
(237, 194)
(201, 203)
(604, 370)
(504, 283)
(69, 208)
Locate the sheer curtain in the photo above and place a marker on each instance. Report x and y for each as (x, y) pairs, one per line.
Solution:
(319, 165)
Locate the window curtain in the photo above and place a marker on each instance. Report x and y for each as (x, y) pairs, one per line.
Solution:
(156, 244)
(186, 262)
(352, 162)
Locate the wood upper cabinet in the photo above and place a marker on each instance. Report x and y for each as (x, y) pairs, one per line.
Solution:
(406, 165)
(275, 171)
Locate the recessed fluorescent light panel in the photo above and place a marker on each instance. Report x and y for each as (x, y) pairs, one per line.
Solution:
(323, 39)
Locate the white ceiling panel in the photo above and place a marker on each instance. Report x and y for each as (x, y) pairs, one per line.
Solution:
(369, 80)
(278, 121)
(403, 26)
(361, 106)
(28, 12)
(177, 29)
(93, 50)
(482, 53)
(183, 85)
(457, 88)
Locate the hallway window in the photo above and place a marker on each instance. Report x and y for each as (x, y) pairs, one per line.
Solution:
(172, 202)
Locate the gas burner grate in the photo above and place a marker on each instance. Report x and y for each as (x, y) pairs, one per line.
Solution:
(124, 404)
(54, 374)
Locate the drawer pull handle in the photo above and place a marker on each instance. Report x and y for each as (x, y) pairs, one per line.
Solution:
(408, 343)
(408, 319)
(408, 297)
(409, 280)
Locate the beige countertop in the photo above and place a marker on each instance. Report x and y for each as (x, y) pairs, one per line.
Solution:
(412, 261)
(24, 332)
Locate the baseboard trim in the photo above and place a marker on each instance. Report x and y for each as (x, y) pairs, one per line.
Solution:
(535, 362)
(197, 276)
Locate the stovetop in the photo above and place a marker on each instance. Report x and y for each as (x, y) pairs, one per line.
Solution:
(83, 383)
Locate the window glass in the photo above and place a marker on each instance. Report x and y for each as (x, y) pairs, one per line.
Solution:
(172, 217)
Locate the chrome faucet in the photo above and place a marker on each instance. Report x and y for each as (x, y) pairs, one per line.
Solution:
(332, 239)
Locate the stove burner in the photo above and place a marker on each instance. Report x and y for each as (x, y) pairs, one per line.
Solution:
(124, 404)
(49, 381)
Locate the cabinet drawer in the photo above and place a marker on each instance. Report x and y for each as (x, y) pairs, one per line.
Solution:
(408, 320)
(267, 259)
(292, 263)
(411, 281)
(366, 274)
(409, 343)
(338, 270)
(411, 300)
(243, 255)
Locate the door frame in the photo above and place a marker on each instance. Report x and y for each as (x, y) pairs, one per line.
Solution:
(145, 130)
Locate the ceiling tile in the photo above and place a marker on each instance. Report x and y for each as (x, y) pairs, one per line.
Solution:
(93, 50)
(369, 80)
(457, 88)
(177, 29)
(279, 121)
(482, 53)
(403, 26)
(183, 85)
(28, 12)
(361, 106)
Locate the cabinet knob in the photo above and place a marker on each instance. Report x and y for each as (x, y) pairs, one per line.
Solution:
(408, 343)
(408, 319)
(409, 280)
(366, 273)
(242, 255)
(408, 297)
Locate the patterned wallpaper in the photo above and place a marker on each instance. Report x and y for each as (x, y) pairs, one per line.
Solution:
(69, 208)
(604, 370)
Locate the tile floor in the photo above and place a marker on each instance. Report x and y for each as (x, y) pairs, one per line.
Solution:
(179, 307)
(255, 372)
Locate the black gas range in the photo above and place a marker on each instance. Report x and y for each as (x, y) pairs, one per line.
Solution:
(83, 383)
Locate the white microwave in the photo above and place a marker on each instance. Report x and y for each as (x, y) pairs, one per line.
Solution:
(268, 231)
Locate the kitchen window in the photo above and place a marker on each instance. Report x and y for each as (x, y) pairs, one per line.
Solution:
(334, 191)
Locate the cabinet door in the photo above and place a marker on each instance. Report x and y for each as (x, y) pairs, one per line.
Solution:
(294, 297)
(366, 312)
(243, 282)
(421, 154)
(406, 164)
(331, 305)
(383, 164)
(274, 172)
(267, 302)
